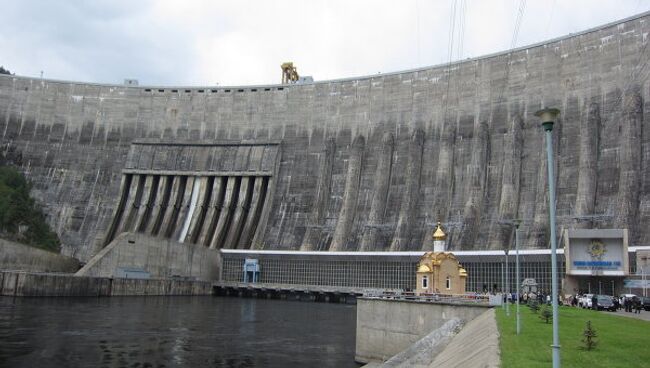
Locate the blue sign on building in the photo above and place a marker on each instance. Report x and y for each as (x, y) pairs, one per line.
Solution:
(597, 264)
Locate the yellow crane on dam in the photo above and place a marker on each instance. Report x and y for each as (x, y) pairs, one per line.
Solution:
(289, 73)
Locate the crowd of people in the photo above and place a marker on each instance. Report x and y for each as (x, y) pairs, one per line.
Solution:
(630, 303)
(541, 297)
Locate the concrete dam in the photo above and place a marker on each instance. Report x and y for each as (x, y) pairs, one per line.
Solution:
(368, 163)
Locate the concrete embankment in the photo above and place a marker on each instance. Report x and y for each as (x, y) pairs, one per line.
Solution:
(43, 284)
(158, 258)
(420, 354)
(476, 345)
(386, 327)
(20, 257)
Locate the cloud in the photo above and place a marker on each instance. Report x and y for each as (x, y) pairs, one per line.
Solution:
(203, 42)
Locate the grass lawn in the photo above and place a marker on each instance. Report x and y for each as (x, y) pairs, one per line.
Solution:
(622, 341)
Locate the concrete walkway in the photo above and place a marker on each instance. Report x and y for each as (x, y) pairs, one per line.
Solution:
(643, 315)
(476, 345)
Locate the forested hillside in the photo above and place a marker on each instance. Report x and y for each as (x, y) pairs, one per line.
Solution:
(21, 219)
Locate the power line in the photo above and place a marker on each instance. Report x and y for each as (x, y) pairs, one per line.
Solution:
(513, 44)
(550, 19)
(452, 26)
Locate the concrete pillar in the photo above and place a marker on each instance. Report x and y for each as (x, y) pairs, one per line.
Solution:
(475, 187)
(241, 211)
(500, 235)
(630, 162)
(588, 165)
(159, 206)
(383, 174)
(147, 202)
(444, 176)
(316, 220)
(213, 212)
(225, 215)
(348, 212)
(410, 200)
(197, 217)
(253, 216)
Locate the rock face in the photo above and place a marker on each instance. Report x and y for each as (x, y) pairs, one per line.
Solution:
(369, 163)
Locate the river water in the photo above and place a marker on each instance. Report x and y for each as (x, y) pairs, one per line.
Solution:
(174, 332)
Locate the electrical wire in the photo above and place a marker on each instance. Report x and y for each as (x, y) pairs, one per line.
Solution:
(452, 26)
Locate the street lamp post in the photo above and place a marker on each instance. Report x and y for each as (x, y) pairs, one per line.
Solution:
(503, 283)
(643, 280)
(517, 223)
(547, 116)
(507, 285)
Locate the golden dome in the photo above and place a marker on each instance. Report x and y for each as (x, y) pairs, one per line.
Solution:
(439, 234)
(424, 268)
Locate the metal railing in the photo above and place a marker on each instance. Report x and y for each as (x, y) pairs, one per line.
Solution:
(431, 298)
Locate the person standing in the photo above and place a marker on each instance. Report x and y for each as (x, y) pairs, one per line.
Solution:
(594, 302)
(637, 305)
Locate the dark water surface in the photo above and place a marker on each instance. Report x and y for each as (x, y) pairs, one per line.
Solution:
(174, 332)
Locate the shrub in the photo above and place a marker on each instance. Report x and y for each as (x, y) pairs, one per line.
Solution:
(589, 337)
(546, 315)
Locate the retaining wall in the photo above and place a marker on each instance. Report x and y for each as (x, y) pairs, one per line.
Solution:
(385, 327)
(41, 284)
(160, 258)
(20, 257)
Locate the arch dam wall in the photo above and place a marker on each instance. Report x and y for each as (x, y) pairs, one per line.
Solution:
(369, 163)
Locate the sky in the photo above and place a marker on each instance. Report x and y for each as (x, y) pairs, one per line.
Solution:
(243, 42)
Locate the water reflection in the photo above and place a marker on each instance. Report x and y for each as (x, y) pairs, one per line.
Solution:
(174, 332)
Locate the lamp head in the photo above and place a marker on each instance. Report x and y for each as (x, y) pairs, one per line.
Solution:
(547, 116)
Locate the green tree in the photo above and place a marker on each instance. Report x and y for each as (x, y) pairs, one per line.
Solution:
(546, 315)
(589, 337)
(20, 217)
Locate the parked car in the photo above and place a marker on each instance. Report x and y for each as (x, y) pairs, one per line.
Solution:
(585, 301)
(631, 296)
(605, 302)
(645, 301)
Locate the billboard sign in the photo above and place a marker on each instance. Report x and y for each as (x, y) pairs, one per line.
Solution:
(593, 252)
